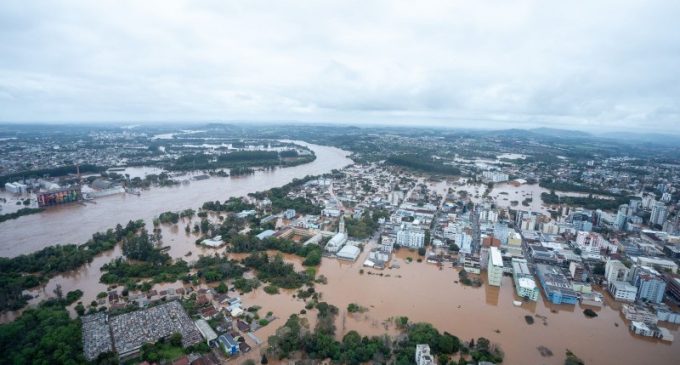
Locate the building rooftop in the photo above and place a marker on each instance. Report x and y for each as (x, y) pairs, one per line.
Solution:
(496, 258)
(349, 252)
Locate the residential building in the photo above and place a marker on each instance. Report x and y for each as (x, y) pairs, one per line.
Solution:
(591, 242)
(638, 313)
(659, 214)
(615, 270)
(495, 267)
(622, 291)
(423, 355)
(672, 285)
(494, 176)
(289, 214)
(650, 330)
(577, 271)
(650, 284)
(409, 236)
(464, 242)
(621, 217)
(229, 344)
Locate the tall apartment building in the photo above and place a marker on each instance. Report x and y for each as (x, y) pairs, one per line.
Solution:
(659, 214)
(495, 267)
(650, 284)
(410, 237)
(615, 270)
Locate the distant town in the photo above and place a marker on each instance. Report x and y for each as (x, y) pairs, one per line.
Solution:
(371, 245)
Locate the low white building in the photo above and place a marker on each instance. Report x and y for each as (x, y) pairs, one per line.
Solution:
(331, 212)
(349, 252)
(213, 242)
(495, 176)
(622, 291)
(245, 213)
(206, 331)
(423, 355)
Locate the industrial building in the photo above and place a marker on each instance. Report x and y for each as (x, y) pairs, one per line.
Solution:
(59, 196)
(556, 286)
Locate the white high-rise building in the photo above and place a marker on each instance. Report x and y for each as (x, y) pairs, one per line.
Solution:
(410, 237)
(593, 242)
(621, 217)
(659, 214)
(495, 267)
(615, 270)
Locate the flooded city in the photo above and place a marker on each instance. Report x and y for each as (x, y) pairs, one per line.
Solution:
(424, 293)
(421, 291)
(382, 183)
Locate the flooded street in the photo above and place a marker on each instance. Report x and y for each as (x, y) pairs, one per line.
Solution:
(76, 223)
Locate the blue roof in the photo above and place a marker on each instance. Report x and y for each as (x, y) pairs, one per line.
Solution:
(228, 341)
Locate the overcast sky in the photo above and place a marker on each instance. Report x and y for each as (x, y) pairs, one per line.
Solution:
(568, 64)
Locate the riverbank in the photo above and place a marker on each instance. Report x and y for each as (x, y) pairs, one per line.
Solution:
(77, 223)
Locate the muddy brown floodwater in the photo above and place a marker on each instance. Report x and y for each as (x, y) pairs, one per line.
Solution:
(424, 293)
(76, 223)
(420, 291)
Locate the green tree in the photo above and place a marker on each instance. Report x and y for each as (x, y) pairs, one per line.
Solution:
(176, 339)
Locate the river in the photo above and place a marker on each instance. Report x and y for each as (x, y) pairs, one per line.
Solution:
(76, 223)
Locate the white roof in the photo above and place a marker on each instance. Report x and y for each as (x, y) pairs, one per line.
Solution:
(338, 239)
(527, 283)
(213, 242)
(205, 330)
(265, 234)
(496, 258)
(349, 251)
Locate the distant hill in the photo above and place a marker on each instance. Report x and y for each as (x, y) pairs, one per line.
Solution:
(565, 133)
(655, 138)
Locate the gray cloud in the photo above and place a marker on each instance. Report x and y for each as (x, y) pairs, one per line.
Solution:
(576, 64)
